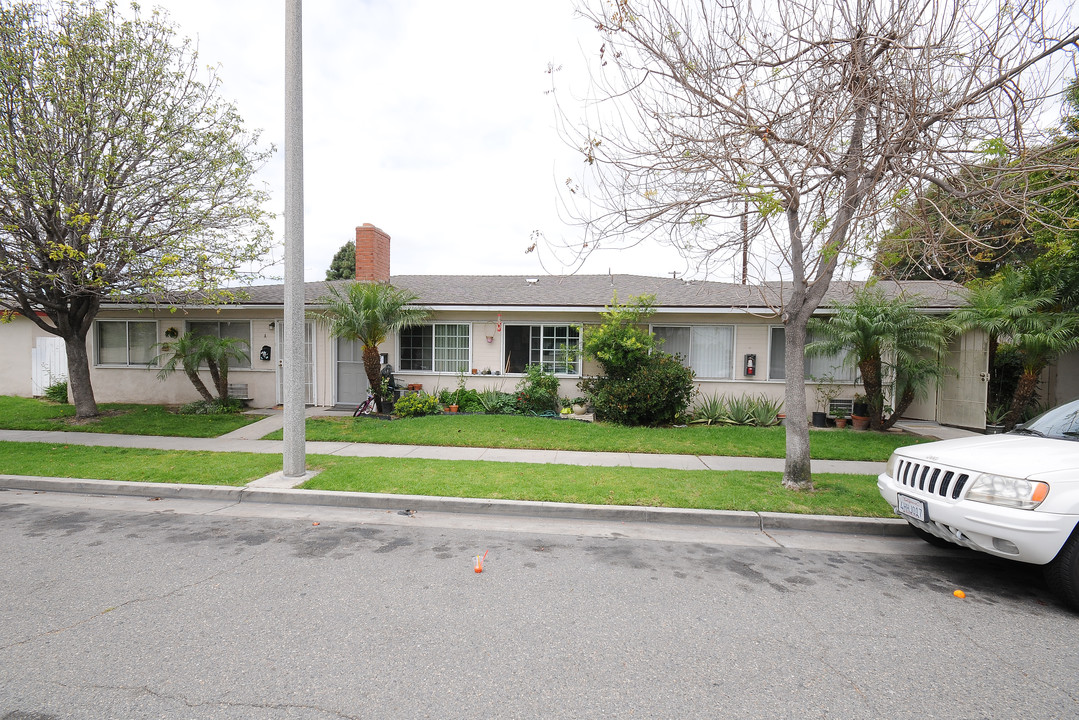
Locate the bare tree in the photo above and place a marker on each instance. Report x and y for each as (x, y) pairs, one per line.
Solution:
(121, 172)
(821, 116)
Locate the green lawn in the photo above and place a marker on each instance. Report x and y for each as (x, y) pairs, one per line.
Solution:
(514, 431)
(30, 414)
(135, 465)
(854, 495)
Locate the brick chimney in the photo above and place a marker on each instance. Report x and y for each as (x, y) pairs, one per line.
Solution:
(372, 254)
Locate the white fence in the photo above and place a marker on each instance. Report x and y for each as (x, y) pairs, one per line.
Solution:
(48, 361)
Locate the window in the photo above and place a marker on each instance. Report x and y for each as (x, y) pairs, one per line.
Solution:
(126, 342)
(818, 366)
(708, 350)
(239, 329)
(556, 348)
(442, 347)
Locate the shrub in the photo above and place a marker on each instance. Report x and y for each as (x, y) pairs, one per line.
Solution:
(538, 391)
(57, 392)
(497, 402)
(468, 401)
(622, 342)
(416, 404)
(657, 392)
(217, 406)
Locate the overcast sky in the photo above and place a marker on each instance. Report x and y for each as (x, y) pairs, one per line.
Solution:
(427, 118)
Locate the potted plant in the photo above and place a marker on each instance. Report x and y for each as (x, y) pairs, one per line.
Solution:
(859, 415)
(579, 406)
(994, 419)
(827, 391)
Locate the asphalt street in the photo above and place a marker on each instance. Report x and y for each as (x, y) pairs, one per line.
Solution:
(143, 608)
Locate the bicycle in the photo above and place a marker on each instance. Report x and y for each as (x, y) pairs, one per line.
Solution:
(366, 407)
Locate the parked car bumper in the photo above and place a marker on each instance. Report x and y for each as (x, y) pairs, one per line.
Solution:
(1025, 535)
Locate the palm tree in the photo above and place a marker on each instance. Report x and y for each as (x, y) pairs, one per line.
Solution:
(368, 312)
(191, 351)
(1022, 308)
(880, 334)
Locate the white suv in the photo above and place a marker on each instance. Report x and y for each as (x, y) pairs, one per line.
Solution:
(1014, 495)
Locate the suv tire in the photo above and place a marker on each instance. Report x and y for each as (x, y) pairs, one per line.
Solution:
(1062, 574)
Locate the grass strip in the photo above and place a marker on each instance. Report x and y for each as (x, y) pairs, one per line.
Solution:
(853, 495)
(116, 418)
(515, 431)
(134, 464)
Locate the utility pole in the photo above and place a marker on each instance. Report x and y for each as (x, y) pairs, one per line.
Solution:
(292, 352)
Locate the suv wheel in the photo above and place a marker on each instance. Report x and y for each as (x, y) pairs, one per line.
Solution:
(1062, 574)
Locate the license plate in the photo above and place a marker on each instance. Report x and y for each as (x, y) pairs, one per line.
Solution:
(913, 508)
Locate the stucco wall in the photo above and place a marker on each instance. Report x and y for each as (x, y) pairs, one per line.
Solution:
(17, 339)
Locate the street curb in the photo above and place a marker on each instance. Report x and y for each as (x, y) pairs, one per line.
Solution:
(763, 521)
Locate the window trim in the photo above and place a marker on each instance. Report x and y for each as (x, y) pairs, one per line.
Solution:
(127, 344)
(578, 362)
(734, 346)
(468, 361)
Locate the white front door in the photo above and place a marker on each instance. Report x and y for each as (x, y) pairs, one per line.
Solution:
(308, 357)
(962, 399)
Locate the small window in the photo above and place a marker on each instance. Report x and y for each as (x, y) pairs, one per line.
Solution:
(239, 329)
(555, 348)
(708, 350)
(441, 347)
(125, 342)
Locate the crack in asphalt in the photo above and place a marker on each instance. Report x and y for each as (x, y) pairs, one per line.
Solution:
(211, 703)
(133, 601)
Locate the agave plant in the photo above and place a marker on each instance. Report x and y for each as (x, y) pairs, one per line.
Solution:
(766, 411)
(711, 410)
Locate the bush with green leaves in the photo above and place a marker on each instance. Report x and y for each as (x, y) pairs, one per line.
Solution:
(416, 404)
(640, 384)
(622, 341)
(496, 402)
(217, 406)
(537, 392)
(57, 392)
(657, 392)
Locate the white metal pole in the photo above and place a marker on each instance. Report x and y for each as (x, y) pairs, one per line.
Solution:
(292, 352)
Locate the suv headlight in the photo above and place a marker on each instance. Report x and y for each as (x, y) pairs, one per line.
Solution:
(1007, 491)
(889, 469)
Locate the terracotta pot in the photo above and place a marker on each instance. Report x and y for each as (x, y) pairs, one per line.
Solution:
(452, 408)
(841, 422)
(859, 422)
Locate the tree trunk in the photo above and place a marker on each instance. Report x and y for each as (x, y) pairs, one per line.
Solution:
(220, 380)
(78, 374)
(193, 376)
(372, 366)
(1024, 391)
(900, 407)
(874, 392)
(797, 473)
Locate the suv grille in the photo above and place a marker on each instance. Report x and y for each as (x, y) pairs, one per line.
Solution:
(929, 479)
